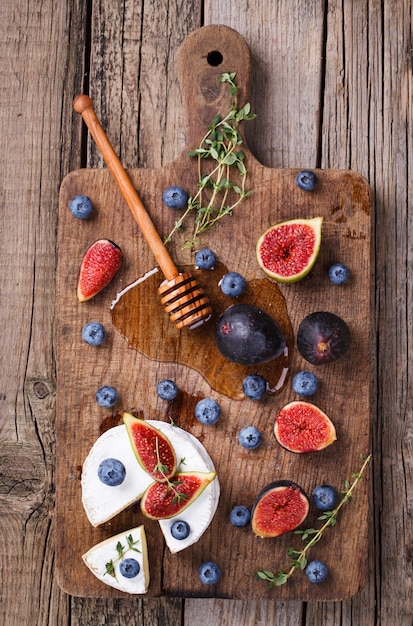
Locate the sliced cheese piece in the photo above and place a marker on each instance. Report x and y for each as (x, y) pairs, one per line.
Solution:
(199, 514)
(102, 502)
(104, 561)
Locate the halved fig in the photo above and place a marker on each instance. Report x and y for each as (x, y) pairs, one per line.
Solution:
(279, 508)
(286, 252)
(100, 263)
(303, 427)
(152, 448)
(164, 500)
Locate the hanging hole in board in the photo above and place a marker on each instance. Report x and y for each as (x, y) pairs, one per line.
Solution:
(215, 58)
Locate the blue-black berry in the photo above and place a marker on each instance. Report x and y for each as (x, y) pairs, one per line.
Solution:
(106, 396)
(240, 516)
(254, 386)
(175, 197)
(232, 284)
(180, 529)
(205, 259)
(81, 207)
(306, 180)
(209, 573)
(111, 472)
(207, 411)
(93, 333)
(316, 571)
(305, 383)
(338, 274)
(249, 437)
(129, 568)
(167, 389)
(325, 497)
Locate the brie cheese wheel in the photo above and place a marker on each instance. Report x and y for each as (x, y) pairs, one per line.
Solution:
(102, 502)
(104, 561)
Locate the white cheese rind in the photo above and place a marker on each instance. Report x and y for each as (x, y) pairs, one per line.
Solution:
(102, 502)
(199, 514)
(97, 557)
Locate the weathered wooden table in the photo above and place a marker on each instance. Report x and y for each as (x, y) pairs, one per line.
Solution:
(332, 88)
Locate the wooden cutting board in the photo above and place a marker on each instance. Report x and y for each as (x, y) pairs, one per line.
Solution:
(342, 198)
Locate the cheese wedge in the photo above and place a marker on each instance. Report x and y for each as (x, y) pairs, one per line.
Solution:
(105, 561)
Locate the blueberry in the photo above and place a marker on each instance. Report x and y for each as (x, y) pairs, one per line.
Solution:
(111, 472)
(305, 383)
(81, 207)
(205, 259)
(325, 497)
(254, 386)
(180, 529)
(232, 284)
(129, 568)
(240, 516)
(175, 197)
(306, 179)
(338, 273)
(316, 571)
(207, 411)
(209, 573)
(249, 437)
(93, 333)
(167, 389)
(106, 396)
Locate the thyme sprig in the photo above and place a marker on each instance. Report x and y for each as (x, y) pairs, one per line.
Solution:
(311, 536)
(171, 485)
(121, 550)
(220, 149)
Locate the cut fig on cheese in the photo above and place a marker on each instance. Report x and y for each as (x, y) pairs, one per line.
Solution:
(152, 448)
(102, 502)
(121, 561)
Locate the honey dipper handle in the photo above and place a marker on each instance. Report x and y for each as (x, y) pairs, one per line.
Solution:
(84, 105)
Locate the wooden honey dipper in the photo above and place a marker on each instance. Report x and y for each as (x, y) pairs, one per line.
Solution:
(182, 297)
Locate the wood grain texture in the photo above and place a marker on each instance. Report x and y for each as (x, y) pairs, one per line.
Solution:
(342, 198)
(360, 117)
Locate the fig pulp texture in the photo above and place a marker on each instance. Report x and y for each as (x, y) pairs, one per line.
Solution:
(165, 500)
(247, 335)
(279, 508)
(100, 263)
(302, 427)
(286, 252)
(323, 337)
(152, 449)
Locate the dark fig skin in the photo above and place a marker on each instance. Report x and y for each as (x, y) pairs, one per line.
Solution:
(323, 337)
(246, 335)
(270, 487)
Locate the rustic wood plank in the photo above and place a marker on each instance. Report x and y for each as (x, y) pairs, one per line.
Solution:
(383, 157)
(33, 84)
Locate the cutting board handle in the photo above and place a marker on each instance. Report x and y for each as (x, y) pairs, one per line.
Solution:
(203, 57)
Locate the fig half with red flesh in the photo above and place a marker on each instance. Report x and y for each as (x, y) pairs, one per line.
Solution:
(152, 448)
(100, 263)
(303, 427)
(323, 337)
(280, 507)
(165, 500)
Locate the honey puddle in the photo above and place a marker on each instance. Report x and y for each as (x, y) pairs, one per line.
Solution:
(139, 316)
